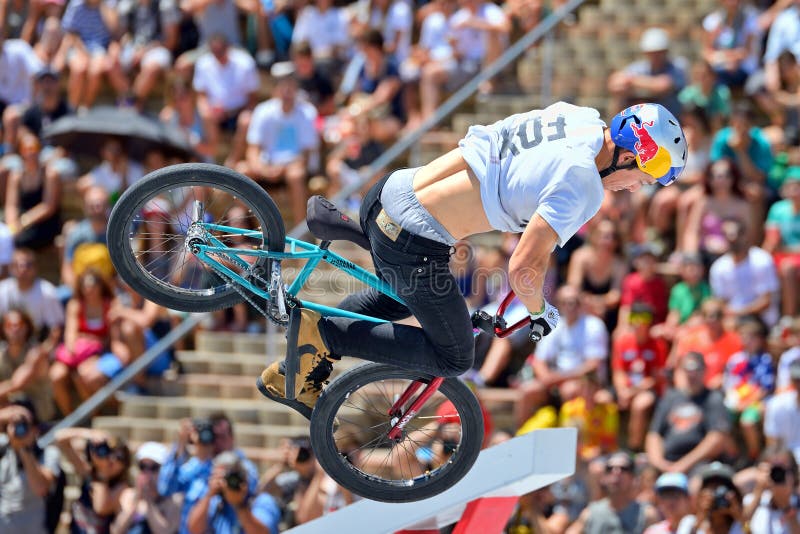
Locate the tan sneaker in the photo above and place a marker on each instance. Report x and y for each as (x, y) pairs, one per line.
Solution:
(314, 367)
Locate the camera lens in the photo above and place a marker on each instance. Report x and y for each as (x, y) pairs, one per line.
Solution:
(205, 431)
(234, 479)
(20, 428)
(303, 454)
(777, 474)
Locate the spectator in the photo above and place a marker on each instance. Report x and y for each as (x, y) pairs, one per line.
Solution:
(23, 365)
(672, 502)
(782, 415)
(619, 512)
(150, 36)
(24, 289)
(783, 104)
(749, 380)
(643, 285)
(47, 104)
(226, 81)
(142, 509)
(685, 297)
(477, 33)
(281, 138)
(593, 412)
(745, 277)
(598, 269)
(638, 372)
(774, 506)
(378, 89)
(710, 338)
(783, 35)
(718, 508)
(393, 19)
(91, 50)
(92, 343)
(289, 481)
(33, 195)
(102, 467)
(114, 174)
(707, 94)
(229, 505)
(20, 65)
(730, 42)
(690, 423)
(91, 229)
(352, 156)
(325, 28)
(722, 198)
(189, 474)
(577, 347)
(792, 353)
(27, 473)
(782, 240)
(220, 17)
(316, 86)
(656, 78)
(181, 112)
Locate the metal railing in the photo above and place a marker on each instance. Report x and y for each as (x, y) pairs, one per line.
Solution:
(544, 29)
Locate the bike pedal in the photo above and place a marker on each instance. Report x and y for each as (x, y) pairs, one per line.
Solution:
(292, 360)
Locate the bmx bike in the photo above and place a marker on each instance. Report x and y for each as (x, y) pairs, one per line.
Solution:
(200, 237)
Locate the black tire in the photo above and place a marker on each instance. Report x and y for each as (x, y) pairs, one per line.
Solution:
(129, 214)
(326, 422)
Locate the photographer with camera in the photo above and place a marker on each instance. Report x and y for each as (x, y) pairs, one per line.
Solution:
(774, 505)
(229, 505)
(189, 463)
(27, 473)
(101, 461)
(718, 504)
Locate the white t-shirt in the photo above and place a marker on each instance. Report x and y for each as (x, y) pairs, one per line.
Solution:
(540, 162)
(765, 518)
(106, 177)
(469, 43)
(727, 37)
(398, 19)
(41, 301)
(282, 137)
(18, 65)
(783, 380)
(741, 284)
(228, 85)
(6, 244)
(433, 36)
(784, 34)
(322, 31)
(569, 346)
(782, 421)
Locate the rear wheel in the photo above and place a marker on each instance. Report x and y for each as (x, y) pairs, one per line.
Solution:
(156, 221)
(439, 445)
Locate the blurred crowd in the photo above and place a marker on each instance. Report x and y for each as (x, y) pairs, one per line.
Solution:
(678, 353)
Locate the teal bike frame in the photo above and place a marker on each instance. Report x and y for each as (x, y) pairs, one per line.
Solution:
(297, 250)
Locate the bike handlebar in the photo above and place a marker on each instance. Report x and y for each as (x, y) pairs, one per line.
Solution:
(496, 325)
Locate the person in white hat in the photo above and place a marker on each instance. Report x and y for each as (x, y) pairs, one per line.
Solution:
(141, 507)
(655, 78)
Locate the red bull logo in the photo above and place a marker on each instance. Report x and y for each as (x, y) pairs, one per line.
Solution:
(651, 158)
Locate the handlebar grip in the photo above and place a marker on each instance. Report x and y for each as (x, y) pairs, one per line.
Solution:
(537, 333)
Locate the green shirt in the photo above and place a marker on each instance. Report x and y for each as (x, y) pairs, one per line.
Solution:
(783, 217)
(685, 299)
(718, 103)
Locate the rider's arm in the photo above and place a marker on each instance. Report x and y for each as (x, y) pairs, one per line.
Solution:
(528, 264)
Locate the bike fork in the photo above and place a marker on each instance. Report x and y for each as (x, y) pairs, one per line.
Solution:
(397, 429)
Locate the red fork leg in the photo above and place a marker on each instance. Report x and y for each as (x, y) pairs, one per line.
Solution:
(426, 394)
(410, 390)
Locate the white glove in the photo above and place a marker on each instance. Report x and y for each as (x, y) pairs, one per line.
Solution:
(544, 322)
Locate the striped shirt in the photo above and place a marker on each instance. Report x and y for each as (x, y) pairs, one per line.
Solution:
(87, 23)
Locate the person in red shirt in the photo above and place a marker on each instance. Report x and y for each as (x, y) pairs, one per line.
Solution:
(638, 362)
(711, 339)
(643, 285)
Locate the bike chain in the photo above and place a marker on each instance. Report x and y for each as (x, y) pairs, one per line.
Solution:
(246, 295)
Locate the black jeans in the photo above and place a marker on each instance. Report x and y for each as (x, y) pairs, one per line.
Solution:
(417, 269)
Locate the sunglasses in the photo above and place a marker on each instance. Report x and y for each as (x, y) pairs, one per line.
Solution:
(147, 467)
(621, 468)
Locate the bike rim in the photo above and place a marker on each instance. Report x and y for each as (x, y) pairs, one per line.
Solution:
(159, 228)
(431, 443)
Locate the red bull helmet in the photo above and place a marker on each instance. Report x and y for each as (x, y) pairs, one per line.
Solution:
(655, 136)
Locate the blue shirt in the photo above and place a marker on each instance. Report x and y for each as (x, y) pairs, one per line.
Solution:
(87, 22)
(222, 516)
(758, 149)
(190, 477)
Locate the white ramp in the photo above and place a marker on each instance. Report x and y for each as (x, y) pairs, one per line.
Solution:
(513, 468)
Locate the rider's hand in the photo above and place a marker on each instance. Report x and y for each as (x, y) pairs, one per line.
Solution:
(544, 322)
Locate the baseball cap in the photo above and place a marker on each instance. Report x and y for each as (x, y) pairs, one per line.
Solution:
(672, 481)
(153, 451)
(654, 40)
(689, 258)
(693, 361)
(717, 471)
(282, 70)
(642, 249)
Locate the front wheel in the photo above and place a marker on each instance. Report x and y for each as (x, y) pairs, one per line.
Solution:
(350, 425)
(156, 221)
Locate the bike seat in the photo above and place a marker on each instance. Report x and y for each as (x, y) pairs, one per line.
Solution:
(326, 222)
